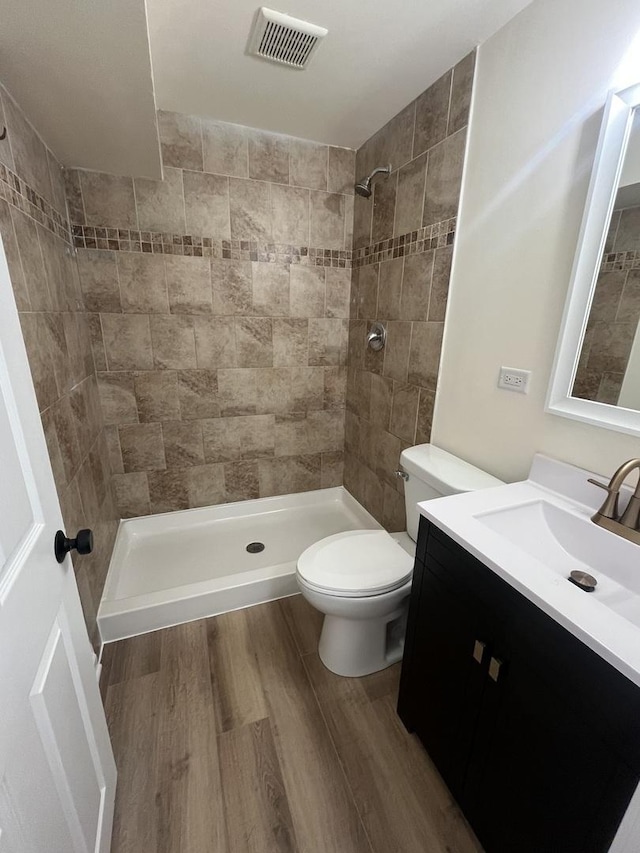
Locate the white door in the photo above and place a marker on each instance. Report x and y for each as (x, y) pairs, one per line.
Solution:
(57, 774)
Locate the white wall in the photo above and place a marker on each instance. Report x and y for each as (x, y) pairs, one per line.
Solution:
(540, 86)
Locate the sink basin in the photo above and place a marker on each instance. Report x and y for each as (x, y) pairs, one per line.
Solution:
(565, 540)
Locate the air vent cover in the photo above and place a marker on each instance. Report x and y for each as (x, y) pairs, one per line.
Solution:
(281, 38)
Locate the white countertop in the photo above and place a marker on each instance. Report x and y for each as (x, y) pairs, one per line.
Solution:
(611, 635)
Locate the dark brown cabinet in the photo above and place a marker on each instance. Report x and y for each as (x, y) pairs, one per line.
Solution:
(537, 737)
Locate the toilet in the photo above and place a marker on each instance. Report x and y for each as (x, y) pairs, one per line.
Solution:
(361, 579)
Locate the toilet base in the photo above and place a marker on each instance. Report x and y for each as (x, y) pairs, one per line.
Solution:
(357, 647)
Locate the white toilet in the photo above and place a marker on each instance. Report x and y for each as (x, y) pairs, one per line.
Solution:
(361, 579)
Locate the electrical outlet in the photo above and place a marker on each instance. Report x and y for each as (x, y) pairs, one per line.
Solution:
(513, 379)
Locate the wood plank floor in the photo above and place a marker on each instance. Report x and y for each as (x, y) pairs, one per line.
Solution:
(230, 736)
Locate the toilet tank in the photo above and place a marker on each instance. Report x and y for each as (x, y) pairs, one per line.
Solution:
(434, 473)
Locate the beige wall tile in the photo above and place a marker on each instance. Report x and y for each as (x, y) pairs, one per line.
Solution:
(29, 152)
(108, 200)
(326, 430)
(335, 387)
(206, 200)
(198, 394)
(380, 397)
(424, 359)
(287, 474)
(29, 260)
(384, 205)
(389, 289)
(290, 342)
(6, 156)
(142, 447)
(290, 215)
(131, 494)
(242, 481)
(327, 342)
(425, 416)
(307, 291)
(160, 204)
(250, 210)
(12, 253)
(461, 89)
(396, 360)
(231, 438)
(188, 285)
(327, 212)
(440, 283)
(205, 485)
(99, 280)
(143, 285)
(225, 148)
(368, 292)
(308, 163)
(444, 177)
(268, 157)
(127, 341)
(362, 219)
(156, 393)
(342, 168)
(117, 398)
(237, 391)
(180, 140)
(173, 341)
(183, 443)
(404, 412)
(432, 113)
(215, 342)
(112, 440)
(232, 287)
(332, 469)
(393, 510)
(410, 196)
(416, 286)
(292, 435)
(168, 490)
(254, 342)
(338, 289)
(270, 289)
(74, 196)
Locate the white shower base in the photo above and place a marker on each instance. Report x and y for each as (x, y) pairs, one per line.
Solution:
(178, 566)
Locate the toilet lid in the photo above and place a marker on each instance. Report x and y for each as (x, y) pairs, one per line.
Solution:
(358, 562)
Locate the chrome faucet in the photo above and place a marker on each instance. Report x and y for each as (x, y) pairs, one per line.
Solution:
(625, 525)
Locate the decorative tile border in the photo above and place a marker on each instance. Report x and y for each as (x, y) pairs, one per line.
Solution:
(620, 261)
(435, 236)
(155, 242)
(18, 193)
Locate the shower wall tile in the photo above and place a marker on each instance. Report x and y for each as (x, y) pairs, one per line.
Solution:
(57, 331)
(308, 164)
(180, 140)
(403, 245)
(161, 204)
(341, 170)
(108, 200)
(219, 314)
(225, 148)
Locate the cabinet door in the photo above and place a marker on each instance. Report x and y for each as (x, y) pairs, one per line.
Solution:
(540, 778)
(447, 676)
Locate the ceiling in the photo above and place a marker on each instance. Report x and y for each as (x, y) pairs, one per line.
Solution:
(376, 58)
(81, 71)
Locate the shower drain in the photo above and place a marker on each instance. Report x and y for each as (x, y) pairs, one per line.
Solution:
(255, 547)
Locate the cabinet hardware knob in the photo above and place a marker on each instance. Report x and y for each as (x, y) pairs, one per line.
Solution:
(478, 651)
(494, 668)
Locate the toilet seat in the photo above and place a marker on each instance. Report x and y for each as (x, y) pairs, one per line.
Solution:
(355, 564)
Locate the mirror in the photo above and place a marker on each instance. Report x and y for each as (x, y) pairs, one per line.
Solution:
(596, 376)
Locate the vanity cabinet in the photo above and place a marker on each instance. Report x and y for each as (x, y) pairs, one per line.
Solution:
(536, 736)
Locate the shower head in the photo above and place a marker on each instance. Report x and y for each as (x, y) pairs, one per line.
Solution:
(363, 187)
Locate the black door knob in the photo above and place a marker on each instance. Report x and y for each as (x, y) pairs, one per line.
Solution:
(83, 544)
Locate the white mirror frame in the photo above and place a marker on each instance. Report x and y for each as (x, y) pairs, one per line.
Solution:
(609, 159)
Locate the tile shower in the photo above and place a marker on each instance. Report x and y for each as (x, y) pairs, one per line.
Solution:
(217, 318)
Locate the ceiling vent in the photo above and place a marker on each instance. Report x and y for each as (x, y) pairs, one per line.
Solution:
(281, 38)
